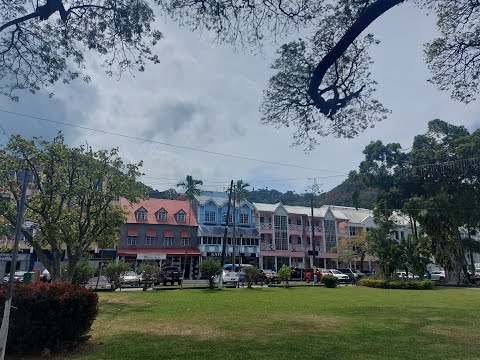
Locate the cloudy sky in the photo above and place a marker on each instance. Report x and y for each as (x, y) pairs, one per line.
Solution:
(207, 97)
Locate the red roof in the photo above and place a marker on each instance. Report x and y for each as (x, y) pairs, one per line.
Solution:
(172, 207)
(169, 251)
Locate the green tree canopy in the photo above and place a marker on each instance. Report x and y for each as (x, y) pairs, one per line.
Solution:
(71, 196)
(436, 184)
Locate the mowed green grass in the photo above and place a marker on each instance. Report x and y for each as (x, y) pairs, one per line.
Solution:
(296, 323)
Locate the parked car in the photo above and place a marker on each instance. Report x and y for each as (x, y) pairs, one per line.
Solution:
(353, 274)
(171, 274)
(297, 273)
(341, 277)
(229, 278)
(367, 273)
(17, 277)
(269, 276)
(131, 278)
(309, 275)
(438, 275)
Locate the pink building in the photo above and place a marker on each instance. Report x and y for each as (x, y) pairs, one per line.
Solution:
(286, 234)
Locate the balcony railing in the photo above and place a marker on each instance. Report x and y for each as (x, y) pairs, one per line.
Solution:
(317, 229)
(291, 247)
(295, 227)
(264, 226)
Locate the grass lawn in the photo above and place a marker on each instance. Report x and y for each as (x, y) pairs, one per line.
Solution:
(297, 323)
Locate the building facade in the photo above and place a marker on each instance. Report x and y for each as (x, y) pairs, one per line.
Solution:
(211, 209)
(162, 231)
(286, 234)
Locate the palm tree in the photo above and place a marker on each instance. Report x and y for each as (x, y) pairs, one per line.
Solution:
(191, 188)
(240, 194)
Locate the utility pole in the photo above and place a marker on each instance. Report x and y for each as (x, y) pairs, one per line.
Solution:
(234, 224)
(225, 235)
(13, 267)
(313, 231)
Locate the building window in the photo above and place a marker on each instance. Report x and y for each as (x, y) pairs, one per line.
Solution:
(402, 235)
(181, 217)
(141, 215)
(132, 241)
(262, 219)
(397, 235)
(280, 226)
(210, 216)
(330, 234)
(230, 218)
(244, 218)
(162, 215)
(168, 241)
(185, 242)
(299, 221)
(150, 240)
(353, 231)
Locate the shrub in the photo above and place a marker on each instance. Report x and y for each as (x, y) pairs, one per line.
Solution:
(150, 274)
(398, 284)
(49, 316)
(251, 275)
(329, 281)
(114, 272)
(285, 274)
(210, 268)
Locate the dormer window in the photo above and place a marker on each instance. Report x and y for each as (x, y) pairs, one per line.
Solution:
(181, 217)
(210, 216)
(141, 214)
(162, 215)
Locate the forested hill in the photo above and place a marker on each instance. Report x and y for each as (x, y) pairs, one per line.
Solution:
(342, 195)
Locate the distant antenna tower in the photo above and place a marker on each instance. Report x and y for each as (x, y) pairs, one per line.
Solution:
(315, 187)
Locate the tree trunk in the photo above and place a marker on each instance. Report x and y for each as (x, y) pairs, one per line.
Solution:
(362, 260)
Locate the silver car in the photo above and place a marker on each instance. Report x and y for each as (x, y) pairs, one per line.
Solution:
(18, 276)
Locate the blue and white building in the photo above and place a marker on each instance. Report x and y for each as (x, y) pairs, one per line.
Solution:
(211, 209)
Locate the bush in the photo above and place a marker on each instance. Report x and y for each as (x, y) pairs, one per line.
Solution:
(150, 275)
(210, 268)
(285, 274)
(398, 284)
(49, 316)
(329, 281)
(251, 275)
(83, 272)
(114, 272)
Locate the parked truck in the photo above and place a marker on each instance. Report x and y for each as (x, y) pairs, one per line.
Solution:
(172, 275)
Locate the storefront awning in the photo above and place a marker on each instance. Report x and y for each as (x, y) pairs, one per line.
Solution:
(184, 234)
(132, 232)
(168, 233)
(151, 232)
(191, 251)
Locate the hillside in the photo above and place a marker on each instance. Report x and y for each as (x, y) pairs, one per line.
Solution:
(341, 195)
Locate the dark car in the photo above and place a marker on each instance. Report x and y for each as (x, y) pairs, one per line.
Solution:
(297, 274)
(171, 274)
(353, 274)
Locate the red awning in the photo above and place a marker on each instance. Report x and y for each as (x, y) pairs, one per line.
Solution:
(151, 232)
(168, 233)
(132, 232)
(170, 252)
(182, 251)
(184, 234)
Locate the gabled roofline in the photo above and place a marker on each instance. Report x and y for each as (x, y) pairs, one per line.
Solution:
(156, 212)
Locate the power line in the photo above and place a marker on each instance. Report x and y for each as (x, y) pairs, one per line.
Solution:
(241, 157)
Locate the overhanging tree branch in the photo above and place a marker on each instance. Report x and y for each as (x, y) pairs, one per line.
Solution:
(366, 17)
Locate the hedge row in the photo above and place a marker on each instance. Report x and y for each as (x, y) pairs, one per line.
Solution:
(398, 284)
(48, 316)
